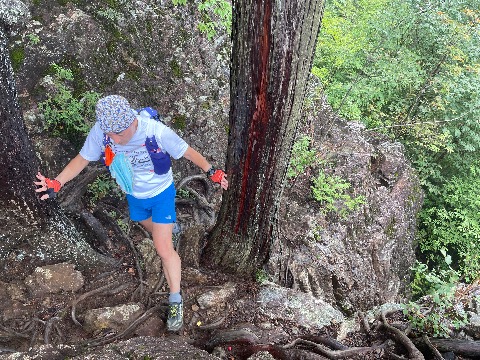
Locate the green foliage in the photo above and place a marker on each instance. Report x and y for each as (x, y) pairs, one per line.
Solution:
(411, 69)
(66, 115)
(302, 157)
(436, 282)
(216, 15)
(122, 222)
(410, 73)
(176, 69)
(184, 194)
(436, 319)
(179, 122)
(452, 222)
(437, 313)
(261, 276)
(103, 186)
(33, 39)
(110, 14)
(17, 55)
(330, 191)
(61, 73)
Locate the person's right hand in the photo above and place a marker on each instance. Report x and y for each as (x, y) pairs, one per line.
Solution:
(51, 187)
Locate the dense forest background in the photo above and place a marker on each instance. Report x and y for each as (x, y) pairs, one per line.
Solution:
(411, 69)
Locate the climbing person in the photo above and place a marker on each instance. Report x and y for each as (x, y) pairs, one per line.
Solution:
(137, 148)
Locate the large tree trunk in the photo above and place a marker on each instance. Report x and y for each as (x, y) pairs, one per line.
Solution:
(273, 47)
(38, 230)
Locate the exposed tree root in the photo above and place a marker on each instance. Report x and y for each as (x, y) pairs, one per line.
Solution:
(96, 227)
(364, 322)
(90, 293)
(70, 198)
(6, 350)
(232, 337)
(413, 352)
(200, 200)
(104, 275)
(127, 332)
(332, 354)
(48, 328)
(142, 229)
(327, 341)
(138, 267)
(9, 333)
(434, 350)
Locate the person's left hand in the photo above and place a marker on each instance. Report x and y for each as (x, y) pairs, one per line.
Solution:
(220, 177)
(224, 182)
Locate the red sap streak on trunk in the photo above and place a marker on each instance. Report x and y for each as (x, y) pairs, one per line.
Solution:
(257, 130)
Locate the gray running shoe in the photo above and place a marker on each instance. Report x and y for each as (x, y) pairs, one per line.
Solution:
(175, 316)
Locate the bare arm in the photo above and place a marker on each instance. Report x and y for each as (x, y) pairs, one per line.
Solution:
(73, 168)
(198, 159)
(195, 157)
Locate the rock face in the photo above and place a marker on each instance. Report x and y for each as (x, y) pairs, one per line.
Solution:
(148, 51)
(362, 259)
(289, 305)
(116, 318)
(136, 348)
(152, 53)
(54, 279)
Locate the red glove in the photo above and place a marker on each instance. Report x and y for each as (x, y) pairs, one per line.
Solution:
(53, 187)
(215, 175)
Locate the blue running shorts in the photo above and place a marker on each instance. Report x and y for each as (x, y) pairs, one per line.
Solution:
(161, 207)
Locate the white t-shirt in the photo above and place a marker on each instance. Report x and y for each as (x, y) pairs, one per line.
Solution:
(146, 183)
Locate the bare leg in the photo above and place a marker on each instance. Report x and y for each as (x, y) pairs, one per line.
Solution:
(162, 240)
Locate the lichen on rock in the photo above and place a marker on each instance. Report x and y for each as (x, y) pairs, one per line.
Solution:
(13, 12)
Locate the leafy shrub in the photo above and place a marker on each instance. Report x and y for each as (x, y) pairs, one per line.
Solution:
(452, 222)
(437, 313)
(103, 186)
(330, 191)
(216, 15)
(33, 39)
(66, 115)
(302, 157)
(17, 56)
(261, 276)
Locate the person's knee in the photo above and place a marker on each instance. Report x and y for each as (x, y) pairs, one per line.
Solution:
(168, 255)
(164, 248)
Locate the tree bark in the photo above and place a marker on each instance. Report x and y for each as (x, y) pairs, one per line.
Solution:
(37, 228)
(273, 47)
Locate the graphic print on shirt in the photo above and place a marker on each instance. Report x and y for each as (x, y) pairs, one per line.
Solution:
(139, 158)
